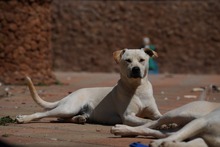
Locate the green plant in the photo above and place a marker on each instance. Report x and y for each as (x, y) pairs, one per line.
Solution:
(6, 120)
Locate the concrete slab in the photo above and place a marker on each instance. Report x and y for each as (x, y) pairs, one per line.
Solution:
(169, 91)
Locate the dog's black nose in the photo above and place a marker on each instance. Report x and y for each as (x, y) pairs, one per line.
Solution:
(135, 69)
(135, 72)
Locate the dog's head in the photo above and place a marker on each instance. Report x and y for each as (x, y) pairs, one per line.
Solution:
(134, 63)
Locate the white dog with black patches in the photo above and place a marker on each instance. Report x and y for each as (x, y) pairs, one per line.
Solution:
(130, 102)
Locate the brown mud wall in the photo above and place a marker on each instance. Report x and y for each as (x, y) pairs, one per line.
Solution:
(186, 33)
(25, 29)
(38, 36)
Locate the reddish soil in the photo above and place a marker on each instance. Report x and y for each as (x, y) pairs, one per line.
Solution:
(169, 91)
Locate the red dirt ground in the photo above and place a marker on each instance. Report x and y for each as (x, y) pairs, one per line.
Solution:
(169, 91)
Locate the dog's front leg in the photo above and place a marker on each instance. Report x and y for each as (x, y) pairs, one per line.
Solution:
(125, 130)
(133, 120)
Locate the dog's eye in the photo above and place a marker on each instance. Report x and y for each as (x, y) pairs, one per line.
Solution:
(141, 60)
(128, 60)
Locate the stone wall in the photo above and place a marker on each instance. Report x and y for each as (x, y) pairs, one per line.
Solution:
(186, 33)
(25, 41)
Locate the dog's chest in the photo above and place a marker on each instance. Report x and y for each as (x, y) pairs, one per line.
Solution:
(142, 96)
(139, 102)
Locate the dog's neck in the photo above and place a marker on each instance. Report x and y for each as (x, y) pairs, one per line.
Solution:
(132, 83)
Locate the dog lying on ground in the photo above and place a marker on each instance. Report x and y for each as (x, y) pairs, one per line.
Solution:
(202, 132)
(199, 122)
(130, 102)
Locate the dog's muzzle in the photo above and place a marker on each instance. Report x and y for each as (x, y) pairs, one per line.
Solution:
(135, 72)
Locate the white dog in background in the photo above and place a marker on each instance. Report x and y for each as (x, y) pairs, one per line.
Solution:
(199, 122)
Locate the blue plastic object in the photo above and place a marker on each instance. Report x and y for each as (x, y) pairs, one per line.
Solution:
(137, 144)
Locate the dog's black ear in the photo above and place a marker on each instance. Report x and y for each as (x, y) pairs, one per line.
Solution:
(117, 55)
(150, 52)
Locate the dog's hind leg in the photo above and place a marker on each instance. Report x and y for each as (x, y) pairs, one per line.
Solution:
(79, 119)
(60, 112)
(198, 142)
(37, 116)
(83, 115)
(28, 118)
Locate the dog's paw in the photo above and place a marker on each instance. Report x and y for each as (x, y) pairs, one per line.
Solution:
(156, 143)
(80, 119)
(20, 119)
(168, 126)
(163, 127)
(172, 125)
(165, 143)
(123, 130)
(172, 144)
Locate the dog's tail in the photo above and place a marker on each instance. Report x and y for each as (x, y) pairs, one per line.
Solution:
(36, 97)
